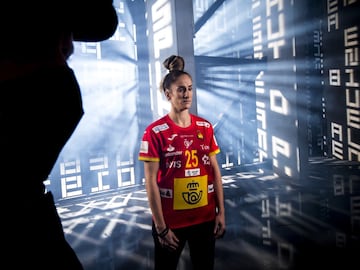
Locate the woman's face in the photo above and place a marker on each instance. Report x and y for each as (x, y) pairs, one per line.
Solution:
(180, 93)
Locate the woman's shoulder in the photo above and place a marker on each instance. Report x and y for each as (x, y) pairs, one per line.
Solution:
(201, 121)
(160, 124)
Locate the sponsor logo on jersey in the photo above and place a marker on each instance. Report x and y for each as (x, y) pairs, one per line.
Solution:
(173, 164)
(194, 193)
(159, 128)
(206, 160)
(171, 154)
(186, 136)
(202, 124)
(166, 193)
(192, 172)
(170, 148)
(211, 188)
(172, 137)
(144, 147)
(204, 147)
(190, 192)
(187, 143)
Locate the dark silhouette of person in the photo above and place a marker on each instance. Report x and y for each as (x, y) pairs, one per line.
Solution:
(40, 107)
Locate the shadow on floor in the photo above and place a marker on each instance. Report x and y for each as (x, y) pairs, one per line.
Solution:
(271, 223)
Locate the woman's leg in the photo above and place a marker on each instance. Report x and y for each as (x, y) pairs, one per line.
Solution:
(165, 258)
(201, 243)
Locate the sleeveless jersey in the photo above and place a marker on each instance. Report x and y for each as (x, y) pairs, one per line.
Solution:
(185, 177)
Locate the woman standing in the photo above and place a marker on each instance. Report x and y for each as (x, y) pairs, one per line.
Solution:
(183, 179)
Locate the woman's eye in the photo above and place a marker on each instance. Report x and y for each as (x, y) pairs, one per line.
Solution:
(181, 89)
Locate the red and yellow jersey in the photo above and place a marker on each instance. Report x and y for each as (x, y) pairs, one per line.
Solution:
(185, 176)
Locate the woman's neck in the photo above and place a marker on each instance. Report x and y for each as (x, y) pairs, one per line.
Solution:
(182, 119)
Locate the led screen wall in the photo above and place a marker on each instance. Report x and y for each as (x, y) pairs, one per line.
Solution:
(271, 75)
(298, 42)
(341, 78)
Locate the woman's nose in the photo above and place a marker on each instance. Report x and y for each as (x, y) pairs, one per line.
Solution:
(186, 92)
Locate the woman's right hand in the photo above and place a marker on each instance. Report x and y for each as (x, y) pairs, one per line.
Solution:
(169, 240)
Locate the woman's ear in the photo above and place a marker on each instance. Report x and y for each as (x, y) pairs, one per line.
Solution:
(167, 94)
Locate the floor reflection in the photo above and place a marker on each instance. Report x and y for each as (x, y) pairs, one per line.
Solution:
(272, 223)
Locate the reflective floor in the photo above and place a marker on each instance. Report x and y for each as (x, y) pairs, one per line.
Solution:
(271, 223)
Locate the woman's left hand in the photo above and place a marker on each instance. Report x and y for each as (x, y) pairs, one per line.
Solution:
(219, 230)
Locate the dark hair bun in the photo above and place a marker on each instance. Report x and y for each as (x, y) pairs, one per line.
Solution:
(174, 62)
